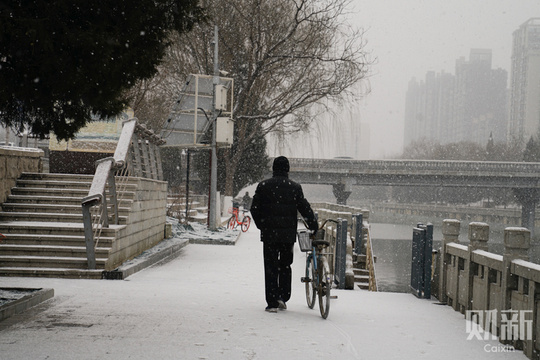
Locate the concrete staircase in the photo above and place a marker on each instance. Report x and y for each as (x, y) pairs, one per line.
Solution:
(361, 274)
(42, 222)
(176, 207)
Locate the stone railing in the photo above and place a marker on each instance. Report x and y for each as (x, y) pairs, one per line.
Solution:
(357, 234)
(499, 293)
(13, 162)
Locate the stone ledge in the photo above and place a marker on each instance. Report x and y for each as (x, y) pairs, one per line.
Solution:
(20, 305)
(162, 252)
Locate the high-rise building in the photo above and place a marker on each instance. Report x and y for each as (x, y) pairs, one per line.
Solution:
(467, 106)
(524, 119)
(480, 99)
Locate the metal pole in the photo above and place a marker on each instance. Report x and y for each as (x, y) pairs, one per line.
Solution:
(358, 238)
(213, 171)
(341, 252)
(187, 186)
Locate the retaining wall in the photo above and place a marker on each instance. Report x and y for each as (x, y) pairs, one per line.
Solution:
(145, 225)
(13, 162)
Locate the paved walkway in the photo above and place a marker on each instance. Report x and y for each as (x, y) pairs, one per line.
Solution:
(208, 303)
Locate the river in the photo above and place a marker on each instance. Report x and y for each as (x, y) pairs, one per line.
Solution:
(392, 242)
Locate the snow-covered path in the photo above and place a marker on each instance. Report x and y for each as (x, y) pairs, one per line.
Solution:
(209, 304)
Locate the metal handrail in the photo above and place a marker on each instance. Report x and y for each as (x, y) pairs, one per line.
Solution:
(136, 154)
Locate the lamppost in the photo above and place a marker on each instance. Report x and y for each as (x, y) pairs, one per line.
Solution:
(212, 221)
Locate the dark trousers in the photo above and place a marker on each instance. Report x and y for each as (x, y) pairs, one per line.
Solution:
(278, 258)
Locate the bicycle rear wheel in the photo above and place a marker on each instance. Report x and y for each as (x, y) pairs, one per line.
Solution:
(231, 224)
(324, 287)
(245, 223)
(310, 281)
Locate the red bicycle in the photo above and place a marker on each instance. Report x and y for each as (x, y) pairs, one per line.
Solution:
(234, 221)
(2, 237)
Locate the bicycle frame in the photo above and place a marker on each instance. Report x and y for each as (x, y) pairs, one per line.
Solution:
(234, 220)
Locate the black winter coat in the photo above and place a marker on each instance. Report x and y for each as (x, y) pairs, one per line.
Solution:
(275, 208)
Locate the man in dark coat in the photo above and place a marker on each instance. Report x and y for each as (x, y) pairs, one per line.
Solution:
(275, 208)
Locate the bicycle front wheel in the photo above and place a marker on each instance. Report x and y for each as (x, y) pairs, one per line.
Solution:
(324, 287)
(245, 223)
(231, 224)
(310, 281)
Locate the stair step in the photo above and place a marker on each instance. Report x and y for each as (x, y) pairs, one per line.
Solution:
(62, 184)
(80, 193)
(56, 184)
(65, 177)
(55, 200)
(361, 278)
(360, 271)
(77, 193)
(42, 208)
(47, 217)
(51, 262)
(57, 176)
(50, 208)
(34, 199)
(52, 228)
(51, 272)
(363, 286)
(359, 258)
(50, 251)
(53, 240)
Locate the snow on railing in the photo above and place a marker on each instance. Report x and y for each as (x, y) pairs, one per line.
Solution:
(137, 154)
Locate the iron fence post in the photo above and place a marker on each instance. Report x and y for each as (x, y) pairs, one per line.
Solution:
(358, 245)
(89, 236)
(341, 252)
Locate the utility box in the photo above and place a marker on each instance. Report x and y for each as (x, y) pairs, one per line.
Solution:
(224, 131)
(221, 97)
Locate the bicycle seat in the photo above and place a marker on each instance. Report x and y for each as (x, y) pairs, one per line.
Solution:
(320, 243)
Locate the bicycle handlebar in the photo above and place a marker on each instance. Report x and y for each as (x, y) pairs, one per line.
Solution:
(322, 225)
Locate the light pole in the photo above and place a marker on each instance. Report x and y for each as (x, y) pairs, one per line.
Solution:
(212, 221)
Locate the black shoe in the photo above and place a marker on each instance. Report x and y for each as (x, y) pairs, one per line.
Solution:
(271, 309)
(282, 305)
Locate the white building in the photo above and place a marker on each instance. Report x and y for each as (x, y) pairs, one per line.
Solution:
(525, 82)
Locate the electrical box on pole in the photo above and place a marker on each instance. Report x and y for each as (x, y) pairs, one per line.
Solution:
(221, 97)
(224, 131)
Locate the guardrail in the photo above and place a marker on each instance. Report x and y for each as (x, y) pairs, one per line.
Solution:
(498, 294)
(417, 166)
(353, 225)
(136, 154)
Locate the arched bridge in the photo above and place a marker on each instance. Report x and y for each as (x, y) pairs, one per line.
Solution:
(342, 174)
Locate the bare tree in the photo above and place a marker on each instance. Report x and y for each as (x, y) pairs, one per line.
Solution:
(284, 55)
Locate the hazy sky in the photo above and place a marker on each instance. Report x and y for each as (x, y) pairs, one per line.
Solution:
(409, 38)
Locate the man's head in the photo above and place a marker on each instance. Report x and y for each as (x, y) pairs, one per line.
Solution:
(281, 165)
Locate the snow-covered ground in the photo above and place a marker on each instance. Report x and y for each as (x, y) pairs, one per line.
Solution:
(209, 304)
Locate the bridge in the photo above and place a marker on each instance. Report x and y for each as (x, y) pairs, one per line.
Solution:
(342, 174)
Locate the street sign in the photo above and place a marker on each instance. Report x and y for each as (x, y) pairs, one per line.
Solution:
(189, 123)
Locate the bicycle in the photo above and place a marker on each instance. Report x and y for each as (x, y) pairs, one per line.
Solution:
(318, 278)
(233, 222)
(2, 237)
